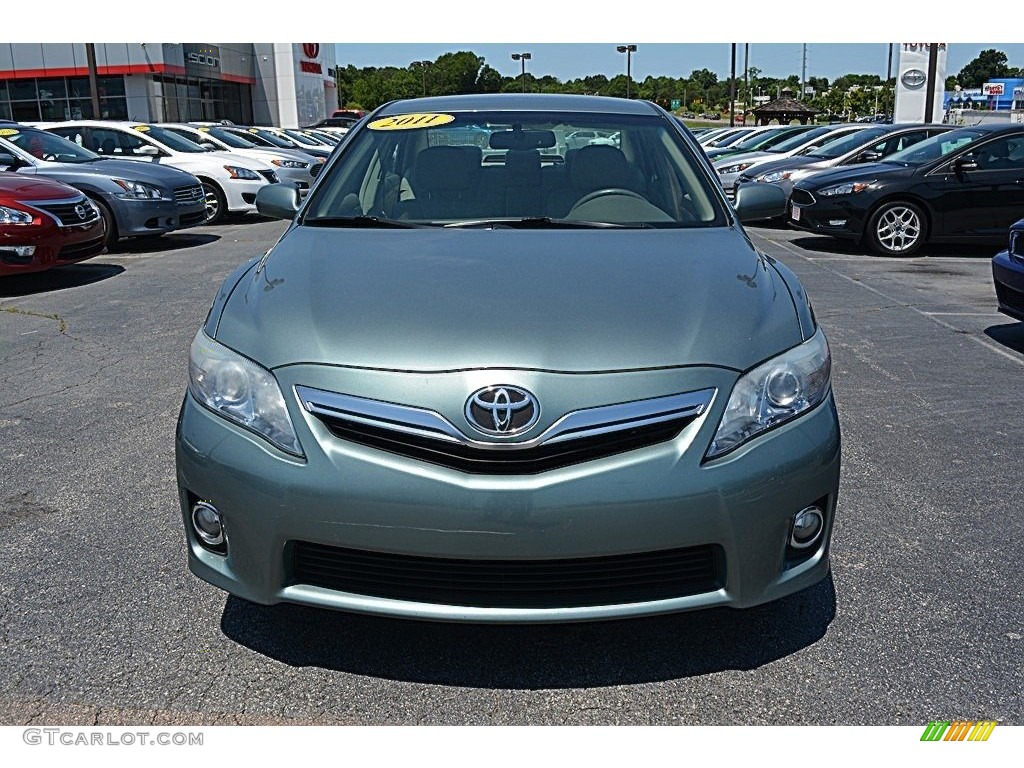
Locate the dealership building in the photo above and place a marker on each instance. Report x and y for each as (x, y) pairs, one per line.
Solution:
(285, 84)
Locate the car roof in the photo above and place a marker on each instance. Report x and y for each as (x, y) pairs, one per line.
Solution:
(499, 102)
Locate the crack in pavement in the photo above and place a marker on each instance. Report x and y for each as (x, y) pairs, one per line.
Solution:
(63, 324)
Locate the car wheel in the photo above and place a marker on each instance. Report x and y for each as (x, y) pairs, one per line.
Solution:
(215, 203)
(110, 235)
(896, 229)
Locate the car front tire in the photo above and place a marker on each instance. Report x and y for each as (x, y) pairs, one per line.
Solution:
(897, 228)
(216, 205)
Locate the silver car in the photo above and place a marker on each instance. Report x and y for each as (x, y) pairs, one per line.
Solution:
(522, 389)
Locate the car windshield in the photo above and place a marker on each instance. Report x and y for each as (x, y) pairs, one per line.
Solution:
(169, 138)
(839, 147)
(231, 139)
(794, 142)
(303, 138)
(275, 139)
(934, 148)
(518, 169)
(47, 146)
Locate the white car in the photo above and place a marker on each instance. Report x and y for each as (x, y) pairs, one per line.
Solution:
(230, 181)
(289, 164)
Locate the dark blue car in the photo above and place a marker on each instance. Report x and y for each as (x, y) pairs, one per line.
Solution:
(1008, 274)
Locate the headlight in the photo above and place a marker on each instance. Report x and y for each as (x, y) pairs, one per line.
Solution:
(242, 173)
(288, 163)
(240, 390)
(849, 188)
(14, 216)
(136, 190)
(773, 178)
(734, 168)
(774, 392)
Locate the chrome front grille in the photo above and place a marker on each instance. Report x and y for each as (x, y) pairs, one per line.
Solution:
(67, 213)
(187, 195)
(574, 438)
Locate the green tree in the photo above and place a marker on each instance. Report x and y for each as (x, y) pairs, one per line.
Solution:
(988, 64)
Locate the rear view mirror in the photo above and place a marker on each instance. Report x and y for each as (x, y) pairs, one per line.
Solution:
(759, 202)
(278, 201)
(519, 139)
(965, 163)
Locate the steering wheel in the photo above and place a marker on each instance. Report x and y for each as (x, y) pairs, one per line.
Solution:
(606, 192)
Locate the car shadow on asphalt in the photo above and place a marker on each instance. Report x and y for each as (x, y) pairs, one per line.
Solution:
(160, 243)
(1010, 335)
(836, 247)
(57, 279)
(534, 656)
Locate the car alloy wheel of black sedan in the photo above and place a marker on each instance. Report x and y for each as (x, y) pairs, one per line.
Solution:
(897, 229)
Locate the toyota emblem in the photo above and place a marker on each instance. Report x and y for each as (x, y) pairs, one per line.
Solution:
(502, 410)
(914, 78)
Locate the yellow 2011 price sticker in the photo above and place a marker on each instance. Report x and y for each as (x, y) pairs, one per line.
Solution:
(9, 132)
(141, 128)
(407, 122)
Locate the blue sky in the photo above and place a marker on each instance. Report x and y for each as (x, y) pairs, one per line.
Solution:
(567, 61)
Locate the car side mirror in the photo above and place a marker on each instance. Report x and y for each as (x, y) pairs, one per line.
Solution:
(148, 150)
(869, 156)
(9, 161)
(965, 163)
(209, 145)
(278, 201)
(759, 202)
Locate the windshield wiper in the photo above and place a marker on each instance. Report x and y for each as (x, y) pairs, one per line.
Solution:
(541, 222)
(357, 222)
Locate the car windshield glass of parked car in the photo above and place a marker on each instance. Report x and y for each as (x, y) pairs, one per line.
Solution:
(839, 147)
(801, 138)
(935, 148)
(495, 168)
(169, 138)
(47, 146)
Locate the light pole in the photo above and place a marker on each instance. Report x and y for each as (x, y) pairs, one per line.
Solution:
(629, 50)
(523, 57)
(423, 71)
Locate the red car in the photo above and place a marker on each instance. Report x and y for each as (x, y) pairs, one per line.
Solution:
(45, 224)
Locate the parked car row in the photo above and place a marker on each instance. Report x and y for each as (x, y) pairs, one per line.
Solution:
(136, 179)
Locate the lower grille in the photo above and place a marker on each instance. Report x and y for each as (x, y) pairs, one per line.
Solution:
(191, 219)
(1009, 297)
(81, 250)
(577, 582)
(69, 213)
(269, 176)
(315, 169)
(186, 195)
(801, 197)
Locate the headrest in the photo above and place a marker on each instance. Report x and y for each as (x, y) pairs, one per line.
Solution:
(448, 168)
(597, 166)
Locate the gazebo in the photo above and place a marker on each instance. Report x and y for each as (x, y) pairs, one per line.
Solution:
(785, 110)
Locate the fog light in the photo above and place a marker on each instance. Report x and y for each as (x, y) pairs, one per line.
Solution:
(207, 524)
(807, 527)
(837, 222)
(20, 250)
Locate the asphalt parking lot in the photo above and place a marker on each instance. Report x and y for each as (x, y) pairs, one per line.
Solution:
(100, 621)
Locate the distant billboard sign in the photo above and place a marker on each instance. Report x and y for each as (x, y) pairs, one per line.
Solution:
(993, 89)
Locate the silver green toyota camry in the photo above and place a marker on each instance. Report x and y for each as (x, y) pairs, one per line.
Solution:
(487, 377)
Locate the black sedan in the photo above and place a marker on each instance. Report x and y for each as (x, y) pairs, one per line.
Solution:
(964, 185)
(1008, 274)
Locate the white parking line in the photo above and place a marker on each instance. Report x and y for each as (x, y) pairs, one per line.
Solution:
(976, 339)
(964, 314)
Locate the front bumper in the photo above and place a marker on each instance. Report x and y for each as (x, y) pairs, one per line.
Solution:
(240, 194)
(1008, 276)
(837, 218)
(136, 218)
(53, 246)
(648, 500)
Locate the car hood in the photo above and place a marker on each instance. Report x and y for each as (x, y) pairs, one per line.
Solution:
(792, 163)
(122, 169)
(740, 157)
(856, 173)
(17, 187)
(560, 300)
